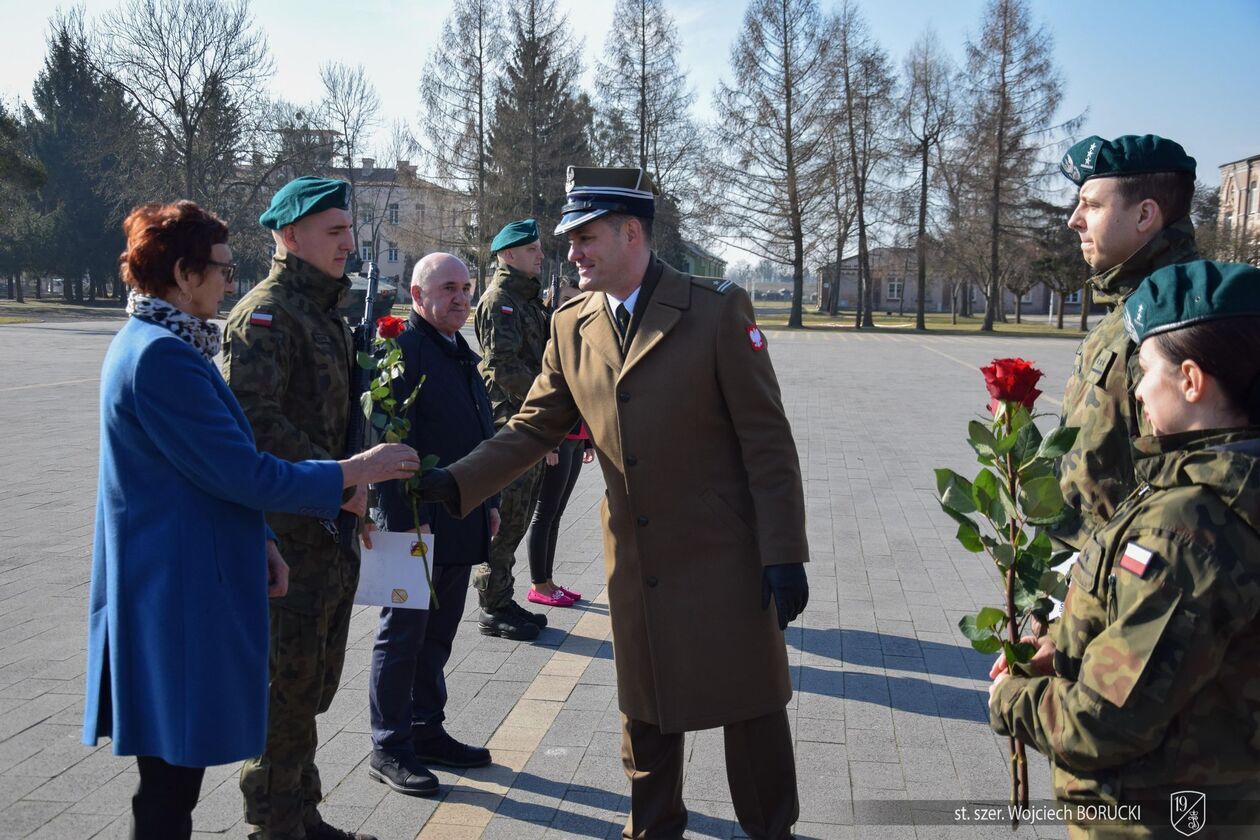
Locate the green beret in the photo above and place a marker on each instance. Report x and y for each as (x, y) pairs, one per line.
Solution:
(515, 233)
(1177, 296)
(1095, 157)
(303, 196)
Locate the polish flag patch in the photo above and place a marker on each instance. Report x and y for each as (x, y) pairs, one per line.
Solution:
(1136, 559)
(756, 338)
(506, 310)
(260, 319)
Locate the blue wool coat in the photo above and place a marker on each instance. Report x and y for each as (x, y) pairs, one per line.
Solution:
(177, 619)
(450, 416)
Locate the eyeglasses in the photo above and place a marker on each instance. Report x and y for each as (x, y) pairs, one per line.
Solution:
(229, 269)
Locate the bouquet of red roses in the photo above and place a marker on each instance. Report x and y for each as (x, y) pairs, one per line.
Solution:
(1002, 512)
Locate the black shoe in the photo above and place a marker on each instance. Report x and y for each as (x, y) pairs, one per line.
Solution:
(324, 831)
(537, 619)
(508, 624)
(405, 775)
(444, 750)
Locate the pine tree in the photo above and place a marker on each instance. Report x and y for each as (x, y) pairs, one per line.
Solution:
(541, 124)
(79, 123)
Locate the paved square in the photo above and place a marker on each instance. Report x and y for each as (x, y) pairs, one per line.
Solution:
(890, 702)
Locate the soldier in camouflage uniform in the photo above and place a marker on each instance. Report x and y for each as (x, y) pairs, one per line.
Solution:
(1132, 217)
(287, 355)
(1155, 686)
(512, 326)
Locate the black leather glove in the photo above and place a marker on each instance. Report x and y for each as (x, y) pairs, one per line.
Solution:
(788, 584)
(439, 486)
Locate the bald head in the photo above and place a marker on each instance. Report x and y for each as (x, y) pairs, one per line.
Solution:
(441, 292)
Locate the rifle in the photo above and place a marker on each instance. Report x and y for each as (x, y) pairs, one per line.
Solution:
(554, 292)
(356, 425)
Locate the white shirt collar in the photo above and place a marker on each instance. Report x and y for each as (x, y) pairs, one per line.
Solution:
(629, 302)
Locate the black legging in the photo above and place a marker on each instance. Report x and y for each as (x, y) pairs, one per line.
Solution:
(557, 485)
(164, 801)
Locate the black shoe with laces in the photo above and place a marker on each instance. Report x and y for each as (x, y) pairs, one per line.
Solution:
(404, 774)
(440, 748)
(508, 624)
(324, 831)
(537, 619)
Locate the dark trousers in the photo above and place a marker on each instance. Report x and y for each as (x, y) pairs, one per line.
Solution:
(163, 804)
(407, 694)
(760, 770)
(553, 495)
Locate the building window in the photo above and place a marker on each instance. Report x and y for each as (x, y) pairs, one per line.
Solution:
(1075, 297)
(1255, 197)
(365, 249)
(368, 216)
(894, 289)
(393, 214)
(420, 210)
(1027, 298)
(392, 253)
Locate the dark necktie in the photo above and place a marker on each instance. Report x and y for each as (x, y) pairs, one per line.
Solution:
(623, 321)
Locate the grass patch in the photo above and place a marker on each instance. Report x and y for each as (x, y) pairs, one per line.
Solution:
(774, 315)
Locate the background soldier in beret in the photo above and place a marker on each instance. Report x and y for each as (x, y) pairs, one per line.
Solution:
(1133, 216)
(1155, 683)
(702, 531)
(511, 324)
(288, 355)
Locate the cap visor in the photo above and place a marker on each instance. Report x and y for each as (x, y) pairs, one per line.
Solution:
(570, 221)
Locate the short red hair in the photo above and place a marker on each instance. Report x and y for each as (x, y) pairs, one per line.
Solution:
(159, 236)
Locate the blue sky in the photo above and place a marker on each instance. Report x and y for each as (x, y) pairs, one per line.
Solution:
(1187, 72)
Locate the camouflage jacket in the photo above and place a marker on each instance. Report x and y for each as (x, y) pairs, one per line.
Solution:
(1097, 474)
(287, 356)
(512, 326)
(1157, 663)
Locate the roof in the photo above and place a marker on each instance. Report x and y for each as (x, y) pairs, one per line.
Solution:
(701, 252)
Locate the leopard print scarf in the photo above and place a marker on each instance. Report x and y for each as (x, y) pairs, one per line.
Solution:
(201, 334)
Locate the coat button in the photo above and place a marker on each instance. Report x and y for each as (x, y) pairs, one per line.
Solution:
(643, 520)
(651, 581)
(624, 396)
(631, 461)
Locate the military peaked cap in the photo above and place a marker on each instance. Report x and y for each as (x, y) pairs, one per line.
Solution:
(303, 196)
(597, 191)
(1180, 295)
(1095, 157)
(521, 232)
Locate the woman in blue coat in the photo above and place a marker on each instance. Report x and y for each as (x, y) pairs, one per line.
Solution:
(183, 561)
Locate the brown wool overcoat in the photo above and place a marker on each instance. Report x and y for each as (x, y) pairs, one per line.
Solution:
(703, 490)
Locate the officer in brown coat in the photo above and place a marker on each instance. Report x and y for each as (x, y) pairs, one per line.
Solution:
(704, 522)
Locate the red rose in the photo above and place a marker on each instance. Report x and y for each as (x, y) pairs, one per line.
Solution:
(1011, 380)
(387, 326)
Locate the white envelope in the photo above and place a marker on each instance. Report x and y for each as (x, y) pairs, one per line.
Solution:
(392, 572)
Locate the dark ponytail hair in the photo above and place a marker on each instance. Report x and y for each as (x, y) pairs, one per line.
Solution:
(1228, 350)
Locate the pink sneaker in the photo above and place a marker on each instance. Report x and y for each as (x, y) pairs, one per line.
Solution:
(559, 598)
(576, 596)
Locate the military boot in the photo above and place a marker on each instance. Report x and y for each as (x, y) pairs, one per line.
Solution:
(508, 623)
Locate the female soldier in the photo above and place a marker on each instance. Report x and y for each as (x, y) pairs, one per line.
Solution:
(1153, 696)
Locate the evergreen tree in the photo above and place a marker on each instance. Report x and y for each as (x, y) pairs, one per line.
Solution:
(541, 124)
(79, 123)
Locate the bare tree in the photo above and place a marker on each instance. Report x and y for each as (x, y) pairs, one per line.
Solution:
(645, 102)
(1015, 90)
(195, 69)
(773, 121)
(863, 116)
(351, 108)
(928, 116)
(457, 97)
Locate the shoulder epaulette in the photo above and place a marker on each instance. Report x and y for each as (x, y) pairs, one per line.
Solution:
(721, 285)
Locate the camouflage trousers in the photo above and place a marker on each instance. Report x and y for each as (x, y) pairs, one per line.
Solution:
(309, 628)
(494, 580)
